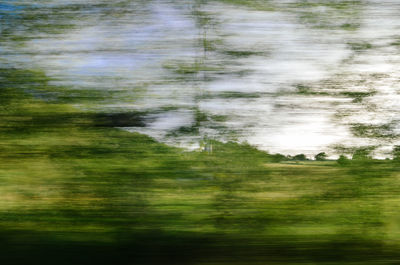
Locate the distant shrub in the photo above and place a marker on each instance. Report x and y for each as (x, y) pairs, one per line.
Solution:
(396, 153)
(278, 158)
(321, 156)
(343, 160)
(300, 157)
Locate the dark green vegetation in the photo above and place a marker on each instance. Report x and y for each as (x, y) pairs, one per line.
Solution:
(321, 156)
(74, 190)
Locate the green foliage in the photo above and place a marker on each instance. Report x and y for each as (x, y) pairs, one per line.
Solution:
(321, 156)
(360, 46)
(329, 14)
(239, 54)
(359, 96)
(278, 158)
(300, 157)
(343, 160)
(362, 154)
(396, 153)
(184, 68)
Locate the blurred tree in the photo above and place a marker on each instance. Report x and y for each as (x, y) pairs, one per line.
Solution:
(361, 154)
(321, 156)
(343, 160)
(278, 158)
(300, 157)
(396, 153)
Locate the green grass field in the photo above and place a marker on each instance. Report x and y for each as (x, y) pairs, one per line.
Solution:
(75, 190)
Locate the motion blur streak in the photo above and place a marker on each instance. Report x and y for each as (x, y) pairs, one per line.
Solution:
(199, 132)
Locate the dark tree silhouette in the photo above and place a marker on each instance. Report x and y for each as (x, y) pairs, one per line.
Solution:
(321, 156)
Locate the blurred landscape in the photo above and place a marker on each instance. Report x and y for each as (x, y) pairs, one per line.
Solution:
(199, 132)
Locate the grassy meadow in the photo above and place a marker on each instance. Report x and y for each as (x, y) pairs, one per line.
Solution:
(76, 190)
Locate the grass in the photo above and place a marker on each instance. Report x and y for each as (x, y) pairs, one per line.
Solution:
(75, 190)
